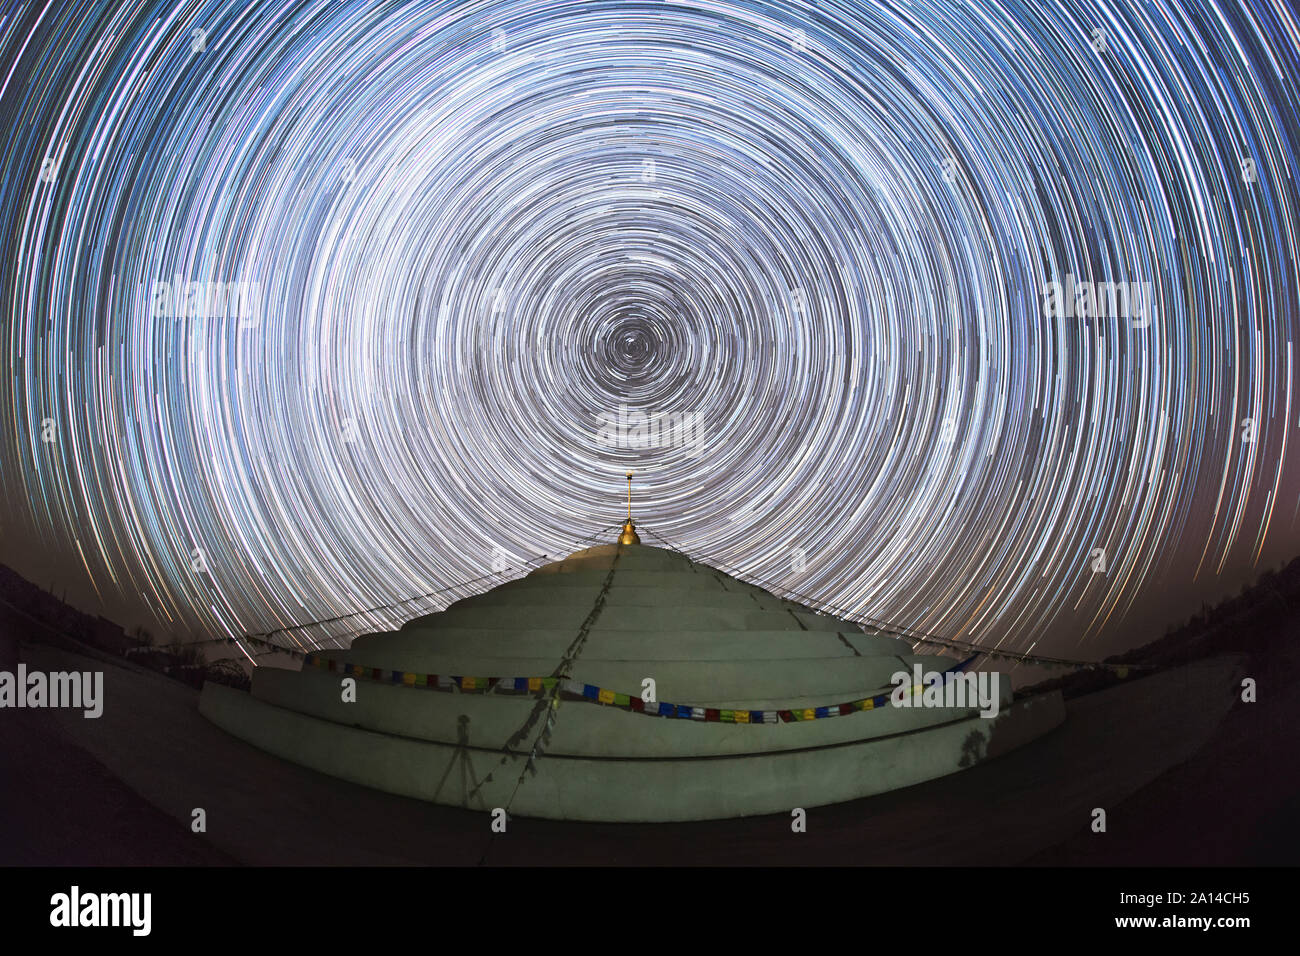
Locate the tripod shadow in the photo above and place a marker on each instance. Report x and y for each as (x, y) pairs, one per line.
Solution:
(463, 765)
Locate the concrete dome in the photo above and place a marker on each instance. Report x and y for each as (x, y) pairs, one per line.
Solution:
(703, 637)
(611, 618)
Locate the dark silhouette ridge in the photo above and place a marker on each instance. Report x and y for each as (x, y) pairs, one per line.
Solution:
(1254, 623)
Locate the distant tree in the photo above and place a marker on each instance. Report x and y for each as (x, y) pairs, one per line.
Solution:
(230, 672)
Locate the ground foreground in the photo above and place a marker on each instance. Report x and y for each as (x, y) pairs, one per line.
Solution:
(1186, 772)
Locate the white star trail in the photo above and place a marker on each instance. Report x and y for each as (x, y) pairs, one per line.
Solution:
(468, 233)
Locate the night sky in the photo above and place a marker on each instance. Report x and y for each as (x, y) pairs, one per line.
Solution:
(466, 235)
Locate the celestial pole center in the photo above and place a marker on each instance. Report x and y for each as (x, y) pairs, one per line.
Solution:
(976, 317)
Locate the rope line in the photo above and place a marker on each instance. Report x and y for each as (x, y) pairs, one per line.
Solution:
(912, 635)
(262, 637)
(420, 597)
(549, 702)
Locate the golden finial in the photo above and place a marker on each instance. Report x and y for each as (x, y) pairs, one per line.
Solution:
(629, 535)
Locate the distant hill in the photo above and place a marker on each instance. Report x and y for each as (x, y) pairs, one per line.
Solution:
(1254, 623)
(29, 612)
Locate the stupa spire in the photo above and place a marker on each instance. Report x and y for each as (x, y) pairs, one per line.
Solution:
(629, 535)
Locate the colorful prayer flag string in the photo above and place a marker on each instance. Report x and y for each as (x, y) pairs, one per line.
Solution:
(611, 698)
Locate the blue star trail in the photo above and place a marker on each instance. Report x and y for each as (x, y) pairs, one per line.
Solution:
(311, 307)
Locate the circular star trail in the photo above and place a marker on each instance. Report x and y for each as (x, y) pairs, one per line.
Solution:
(470, 261)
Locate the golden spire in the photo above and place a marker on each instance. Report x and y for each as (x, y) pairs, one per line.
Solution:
(629, 535)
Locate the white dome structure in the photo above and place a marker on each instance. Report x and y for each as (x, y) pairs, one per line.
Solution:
(529, 697)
